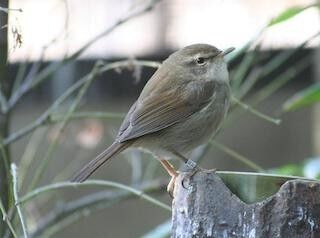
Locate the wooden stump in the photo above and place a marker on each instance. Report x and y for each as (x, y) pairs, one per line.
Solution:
(204, 207)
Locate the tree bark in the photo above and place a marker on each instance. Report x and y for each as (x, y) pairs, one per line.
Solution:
(204, 207)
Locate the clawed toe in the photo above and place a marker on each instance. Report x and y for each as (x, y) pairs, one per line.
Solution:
(171, 184)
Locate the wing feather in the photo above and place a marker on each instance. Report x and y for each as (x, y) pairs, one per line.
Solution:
(161, 110)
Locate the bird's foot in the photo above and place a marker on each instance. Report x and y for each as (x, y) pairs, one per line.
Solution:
(191, 168)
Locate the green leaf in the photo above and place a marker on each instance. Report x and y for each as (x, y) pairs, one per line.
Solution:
(288, 14)
(303, 98)
(289, 169)
(309, 168)
(253, 187)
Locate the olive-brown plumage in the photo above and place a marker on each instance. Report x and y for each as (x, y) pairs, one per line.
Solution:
(180, 107)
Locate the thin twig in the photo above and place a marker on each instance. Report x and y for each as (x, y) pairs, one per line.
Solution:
(239, 74)
(89, 183)
(255, 112)
(237, 156)
(249, 83)
(7, 10)
(16, 199)
(45, 161)
(21, 84)
(5, 158)
(57, 117)
(5, 218)
(3, 102)
(6, 164)
(45, 117)
(274, 64)
(19, 76)
(67, 213)
(47, 71)
(29, 155)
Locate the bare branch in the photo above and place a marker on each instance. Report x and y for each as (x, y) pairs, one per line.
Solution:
(57, 117)
(3, 102)
(84, 206)
(89, 183)
(44, 162)
(47, 71)
(45, 117)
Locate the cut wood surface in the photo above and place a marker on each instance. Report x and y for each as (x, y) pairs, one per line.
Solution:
(204, 207)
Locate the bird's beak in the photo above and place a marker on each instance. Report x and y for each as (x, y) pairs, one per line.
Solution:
(227, 51)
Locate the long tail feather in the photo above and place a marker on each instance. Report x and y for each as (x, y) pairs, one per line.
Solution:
(94, 164)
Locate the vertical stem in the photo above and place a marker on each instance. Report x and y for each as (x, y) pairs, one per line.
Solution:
(316, 107)
(4, 117)
(16, 199)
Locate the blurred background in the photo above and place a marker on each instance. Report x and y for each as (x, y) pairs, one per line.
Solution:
(54, 44)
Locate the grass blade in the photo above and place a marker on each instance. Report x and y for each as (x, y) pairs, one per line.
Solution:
(304, 98)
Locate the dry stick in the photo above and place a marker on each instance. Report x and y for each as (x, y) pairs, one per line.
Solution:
(55, 66)
(71, 211)
(16, 199)
(6, 218)
(45, 117)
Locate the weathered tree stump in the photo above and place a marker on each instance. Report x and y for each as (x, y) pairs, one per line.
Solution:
(204, 207)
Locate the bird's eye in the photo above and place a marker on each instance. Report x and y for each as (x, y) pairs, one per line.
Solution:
(200, 61)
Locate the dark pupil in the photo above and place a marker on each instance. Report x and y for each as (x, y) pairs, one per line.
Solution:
(200, 60)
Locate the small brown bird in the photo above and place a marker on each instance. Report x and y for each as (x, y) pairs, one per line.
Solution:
(180, 108)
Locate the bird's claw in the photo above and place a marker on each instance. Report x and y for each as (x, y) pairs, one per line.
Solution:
(171, 184)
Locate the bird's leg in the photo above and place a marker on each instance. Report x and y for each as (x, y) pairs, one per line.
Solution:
(188, 163)
(172, 172)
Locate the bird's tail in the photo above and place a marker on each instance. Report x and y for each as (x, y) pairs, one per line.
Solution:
(94, 164)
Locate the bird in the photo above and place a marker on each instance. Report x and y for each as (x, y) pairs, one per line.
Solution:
(181, 107)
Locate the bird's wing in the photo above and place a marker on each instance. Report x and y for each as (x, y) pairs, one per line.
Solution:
(158, 111)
